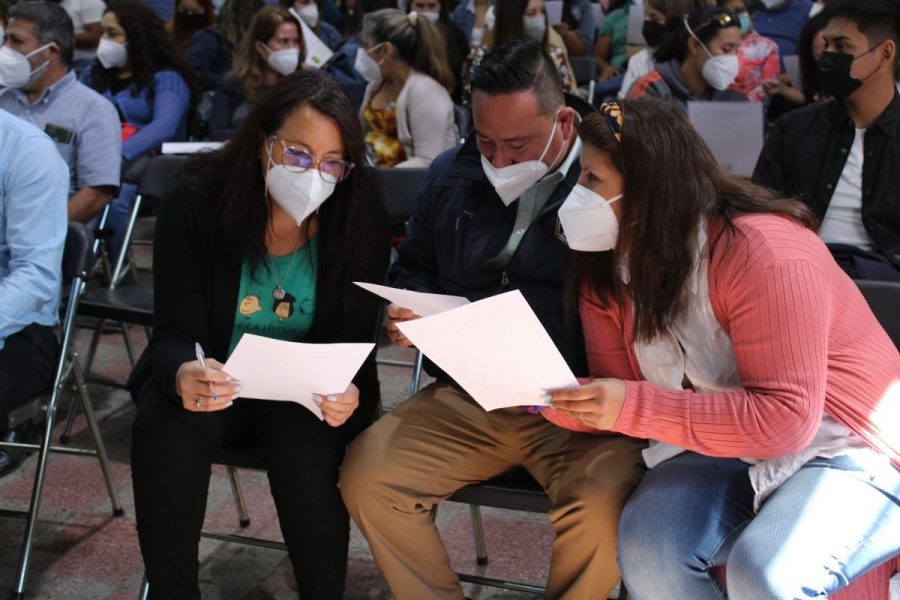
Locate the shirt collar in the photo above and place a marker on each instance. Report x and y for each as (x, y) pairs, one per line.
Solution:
(888, 122)
(48, 95)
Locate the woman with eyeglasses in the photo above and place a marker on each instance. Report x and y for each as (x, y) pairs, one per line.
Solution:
(271, 49)
(718, 326)
(696, 60)
(264, 237)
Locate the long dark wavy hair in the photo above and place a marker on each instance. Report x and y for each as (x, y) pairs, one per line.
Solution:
(671, 180)
(150, 50)
(236, 178)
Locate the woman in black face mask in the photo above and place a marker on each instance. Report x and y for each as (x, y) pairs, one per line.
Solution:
(657, 15)
(190, 17)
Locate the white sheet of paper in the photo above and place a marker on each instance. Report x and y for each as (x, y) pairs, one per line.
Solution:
(554, 9)
(421, 303)
(636, 24)
(190, 147)
(496, 349)
(272, 369)
(792, 68)
(317, 52)
(732, 130)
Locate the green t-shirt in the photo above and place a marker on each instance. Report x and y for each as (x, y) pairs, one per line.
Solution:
(616, 27)
(259, 312)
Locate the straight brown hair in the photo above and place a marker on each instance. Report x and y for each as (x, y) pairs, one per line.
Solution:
(671, 180)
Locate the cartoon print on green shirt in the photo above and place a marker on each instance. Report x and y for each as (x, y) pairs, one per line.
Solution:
(249, 305)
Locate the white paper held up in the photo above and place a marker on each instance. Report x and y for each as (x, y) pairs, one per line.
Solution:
(317, 52)
(270, 369)
(496, 349)
(732, 130)
(792, 68)
(421, 303)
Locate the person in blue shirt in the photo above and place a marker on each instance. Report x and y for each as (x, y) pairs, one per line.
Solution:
(782, 21)
(82, 123)
(209, 53)
(139, 71)
(34, 190)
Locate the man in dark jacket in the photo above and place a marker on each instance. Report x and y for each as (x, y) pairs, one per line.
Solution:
(479, 229)
(842, 157)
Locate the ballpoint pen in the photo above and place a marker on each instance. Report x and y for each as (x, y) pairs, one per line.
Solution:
(201, 358)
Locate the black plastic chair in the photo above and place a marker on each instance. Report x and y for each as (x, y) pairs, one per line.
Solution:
(584, 69)
(884, 299)
(132, 303)
(399, 187)
(77, 258)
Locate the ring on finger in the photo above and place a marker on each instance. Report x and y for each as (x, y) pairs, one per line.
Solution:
(198, 401)
(581, 414)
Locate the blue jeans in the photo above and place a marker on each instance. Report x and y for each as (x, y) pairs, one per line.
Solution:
(826, 525)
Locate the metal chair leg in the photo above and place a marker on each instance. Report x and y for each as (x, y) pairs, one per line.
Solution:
(417, 374)
(129, 347)
(243, 516)
(88, 409)
(144, 594)
(70, 421)
(481, 555)
(92, 349)
(36, 494)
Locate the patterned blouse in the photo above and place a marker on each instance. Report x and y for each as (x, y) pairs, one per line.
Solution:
(759, 62)
(382, 144)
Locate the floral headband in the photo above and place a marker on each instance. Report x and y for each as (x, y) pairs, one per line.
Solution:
(612, 114)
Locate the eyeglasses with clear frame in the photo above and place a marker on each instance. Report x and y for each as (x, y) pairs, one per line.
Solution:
(331, 170)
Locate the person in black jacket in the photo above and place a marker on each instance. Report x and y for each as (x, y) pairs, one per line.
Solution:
(842, 157)
(284, 213)
(480, 228)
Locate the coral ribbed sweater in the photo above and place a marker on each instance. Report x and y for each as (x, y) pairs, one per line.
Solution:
(805, 342)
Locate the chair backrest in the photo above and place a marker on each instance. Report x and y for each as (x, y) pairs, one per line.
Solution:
(463, 117)
(884, 298)
(399, 187)
(584, 69)
(160, 177)
(78, 254)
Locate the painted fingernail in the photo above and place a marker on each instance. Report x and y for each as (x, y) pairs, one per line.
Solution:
(547, 398)
(238, 390)
(317, 400)
(230, 404)
(331, 398)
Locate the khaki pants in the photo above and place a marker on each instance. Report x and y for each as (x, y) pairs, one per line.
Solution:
(439, 441)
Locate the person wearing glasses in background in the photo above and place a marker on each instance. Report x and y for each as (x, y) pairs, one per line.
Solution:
(697, 60)
(271, 49)
(283, 215)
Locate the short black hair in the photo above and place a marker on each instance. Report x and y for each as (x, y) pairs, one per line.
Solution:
(878, 20)
(51, 24)
(519, 66)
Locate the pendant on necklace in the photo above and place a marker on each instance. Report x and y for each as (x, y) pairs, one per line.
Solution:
(278, 293)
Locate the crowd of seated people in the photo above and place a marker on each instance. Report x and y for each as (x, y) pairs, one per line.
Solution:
(715, 317)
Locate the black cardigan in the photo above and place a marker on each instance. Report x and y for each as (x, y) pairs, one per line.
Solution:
(196, 276)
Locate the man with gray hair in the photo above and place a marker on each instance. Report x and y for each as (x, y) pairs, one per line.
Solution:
(41, 88)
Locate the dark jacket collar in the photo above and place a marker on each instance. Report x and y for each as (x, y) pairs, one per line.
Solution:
(888, 122)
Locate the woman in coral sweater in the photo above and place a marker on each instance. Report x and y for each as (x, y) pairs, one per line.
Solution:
(720, 328)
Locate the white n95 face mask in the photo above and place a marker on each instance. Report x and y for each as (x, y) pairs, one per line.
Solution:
(431, 16)
(299, 194)
(111, 54)
(534, 28)
(588, 220)
(366, 66)
(721, 71)
(15, 70)
(284, 61)
(511, 181)
(310, 15)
